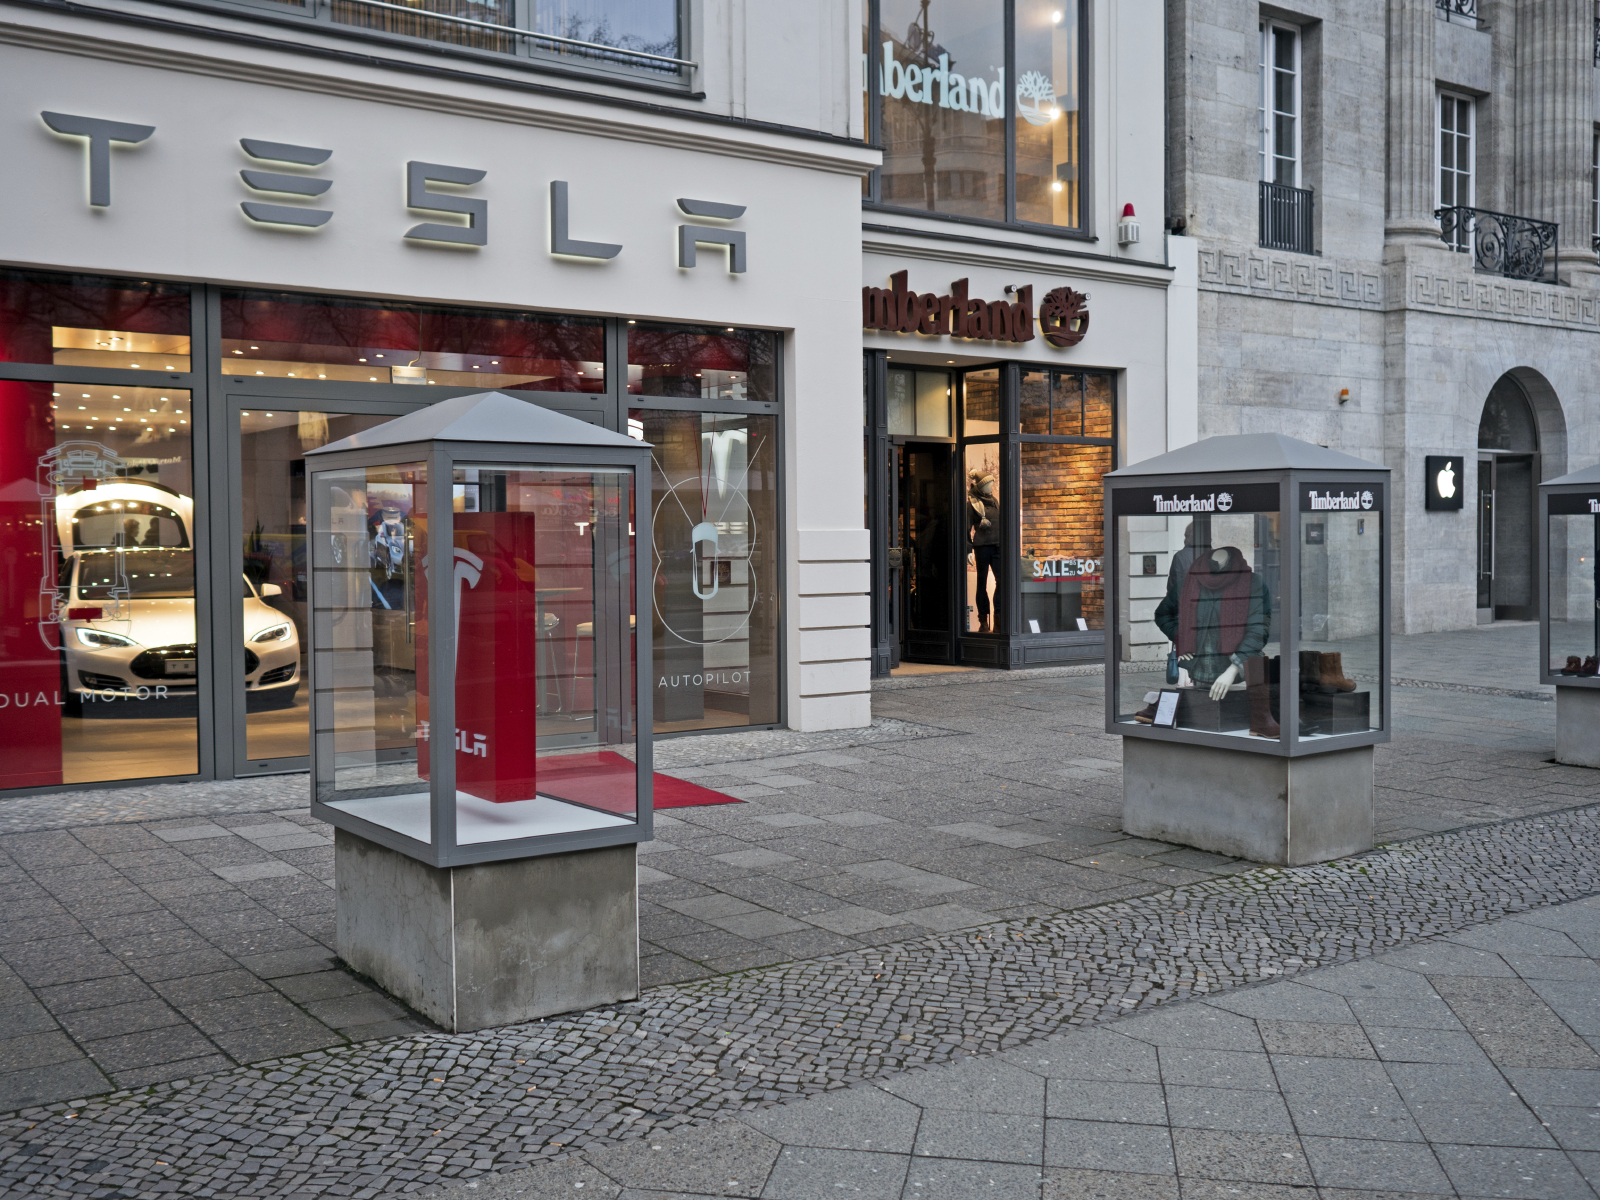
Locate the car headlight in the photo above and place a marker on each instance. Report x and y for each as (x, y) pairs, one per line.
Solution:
(275, 633)
(100, 638)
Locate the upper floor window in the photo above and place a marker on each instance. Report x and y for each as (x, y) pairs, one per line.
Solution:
(1280, 104)
(635, 36)
(1594, 187)
(1455, 163)
(974, 123)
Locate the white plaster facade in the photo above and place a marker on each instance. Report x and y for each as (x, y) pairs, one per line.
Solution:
(1382, 307)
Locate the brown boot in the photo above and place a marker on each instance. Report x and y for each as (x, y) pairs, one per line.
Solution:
(983, 624)
(1311, 673)
(1333, 672)
(1262, 724)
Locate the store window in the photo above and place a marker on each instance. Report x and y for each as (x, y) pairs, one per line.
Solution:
(98, 653)
(715, 575)
(272, 484)
(694, 362)
(1067, 421)
(88, 321)
(281, 336)
(919, 403)
(945, 83)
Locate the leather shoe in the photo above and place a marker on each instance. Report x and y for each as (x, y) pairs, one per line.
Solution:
(1574, 666)
(1591, 666)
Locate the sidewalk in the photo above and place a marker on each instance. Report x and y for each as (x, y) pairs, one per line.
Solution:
(164, 935)
(1460, 1066)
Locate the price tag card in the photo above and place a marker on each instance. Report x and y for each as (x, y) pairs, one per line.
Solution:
(1167, 709)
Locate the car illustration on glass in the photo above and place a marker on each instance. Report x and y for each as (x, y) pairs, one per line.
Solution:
(129, 629)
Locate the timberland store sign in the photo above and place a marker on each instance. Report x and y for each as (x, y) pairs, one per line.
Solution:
(1063, 316)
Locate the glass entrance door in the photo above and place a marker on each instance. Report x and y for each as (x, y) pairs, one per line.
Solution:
(926, 550)
(1485, 534)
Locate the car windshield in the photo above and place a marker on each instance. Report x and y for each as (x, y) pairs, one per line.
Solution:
(139, 574)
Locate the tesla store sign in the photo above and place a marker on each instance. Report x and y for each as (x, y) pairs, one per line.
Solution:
(1063, 316)
(284, 172)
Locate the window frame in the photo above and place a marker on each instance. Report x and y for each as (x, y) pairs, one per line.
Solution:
(1267, 114)
(527, 56)
(1471, 136)
(871, 196)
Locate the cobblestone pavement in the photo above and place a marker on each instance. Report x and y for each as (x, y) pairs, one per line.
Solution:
(1464, 1065)
(404, 1114)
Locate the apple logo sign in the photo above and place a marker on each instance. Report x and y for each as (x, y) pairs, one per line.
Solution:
(1445, 481)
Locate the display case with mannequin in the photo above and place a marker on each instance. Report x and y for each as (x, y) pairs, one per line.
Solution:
(1249, 576)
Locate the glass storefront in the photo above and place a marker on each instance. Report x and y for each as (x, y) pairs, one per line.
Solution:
(113, 610)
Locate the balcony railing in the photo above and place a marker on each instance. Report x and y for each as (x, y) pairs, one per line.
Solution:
(1466, 10)
(1286, 218)
(1502, 244)
(1597, 41)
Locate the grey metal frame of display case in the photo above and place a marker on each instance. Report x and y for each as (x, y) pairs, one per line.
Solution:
(441, 459)
(1546, 490)
(1288, 744)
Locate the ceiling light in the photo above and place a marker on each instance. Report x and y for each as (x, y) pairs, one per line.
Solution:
(127, 410)
(372, 378)
(1055, 185)
(183, 422)
(730, 328)
(55, 393)
(361, 360)
(255, 347)
(321, 376)
(86, 395)
(269, 414)
(375, 356)
(82, 407)
(238, 351)
(133, 364)
(1055, 18)
(244, 414)
(260, 372)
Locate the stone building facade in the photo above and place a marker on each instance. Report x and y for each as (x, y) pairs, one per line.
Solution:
(1371, 185)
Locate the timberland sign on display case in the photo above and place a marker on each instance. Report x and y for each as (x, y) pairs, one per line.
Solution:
(1063, 316)
(1250, 684)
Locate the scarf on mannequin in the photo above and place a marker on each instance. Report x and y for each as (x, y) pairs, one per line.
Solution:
(1230, 584)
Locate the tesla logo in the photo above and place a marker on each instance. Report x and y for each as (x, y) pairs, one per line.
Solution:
(1445, 480)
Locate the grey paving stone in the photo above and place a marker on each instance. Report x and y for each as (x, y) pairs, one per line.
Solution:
(1215, 1068)
(1329, 1076)
(1099, 1100)
(1194, 1027)
(705, 908)
(1358, 981)
(991, 1137)
(1400, 1044)
(856, 818)
(945, 917)
(362, 1008)
(90, 1024)
(1378, 1166)
(698, 1160)
(1381, 1116)
(1092, 1054)
(1064, 1183)
(754, 858)
(241, 1012)
(1536, 1086)
(1518, 936)
(981, 832)
(1418, 1014)
(1315, 1039)
(812, 1173)
(1573, 1128)
(1503, 1123)
(1422, 1083)
(1109, 1146)
(190, 833)
(36, 1050)
(1519, 1174)
(1230, 1109)
(149, 1047)
(935, 1177)
(1538, 966)
(1576, 1002)
(250, 872)
(1251, 1158)
(51, 1084)
(1286, 1002)
(289, 962)
(973, 1085)
(850, 919)
(167, 1072)
(857, 1118)
(908, 879)
(259, 1042)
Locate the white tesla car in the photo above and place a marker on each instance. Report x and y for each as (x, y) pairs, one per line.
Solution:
(129, 630)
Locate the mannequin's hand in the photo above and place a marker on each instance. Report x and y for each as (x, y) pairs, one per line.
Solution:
(972, 557)
(1185, 658)
(1219, 689)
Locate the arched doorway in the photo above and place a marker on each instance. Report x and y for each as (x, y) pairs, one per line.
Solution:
(1508, 474)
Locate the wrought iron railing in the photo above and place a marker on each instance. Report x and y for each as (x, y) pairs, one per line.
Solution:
(1465, 9)
(1286, 218)
(1500, 243)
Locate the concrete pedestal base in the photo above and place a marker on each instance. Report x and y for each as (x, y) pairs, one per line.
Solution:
(494, 943)
(1578, 726)
(1284, 811)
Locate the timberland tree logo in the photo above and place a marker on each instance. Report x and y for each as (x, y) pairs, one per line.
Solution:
(1594, 505)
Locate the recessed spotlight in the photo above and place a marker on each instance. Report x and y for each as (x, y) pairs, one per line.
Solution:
(238, 351)
(260, 372)
(361, 360)
(82, 407)
(255, 347)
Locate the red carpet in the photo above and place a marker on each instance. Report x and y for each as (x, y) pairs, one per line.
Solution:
(604, 780)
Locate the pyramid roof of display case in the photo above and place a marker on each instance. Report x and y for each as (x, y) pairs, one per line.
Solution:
(483, 417)
(1587, 475)
(1247, 452)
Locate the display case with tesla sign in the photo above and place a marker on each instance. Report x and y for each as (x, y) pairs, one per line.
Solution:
(1263, 629)
(1569, 610)
(476, 667)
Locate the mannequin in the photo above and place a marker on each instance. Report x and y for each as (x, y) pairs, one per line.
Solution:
(983, 535)
(1217, 617)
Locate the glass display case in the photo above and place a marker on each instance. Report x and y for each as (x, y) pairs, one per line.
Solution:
(1243, 570)
(1569, 614)
(478, 688)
